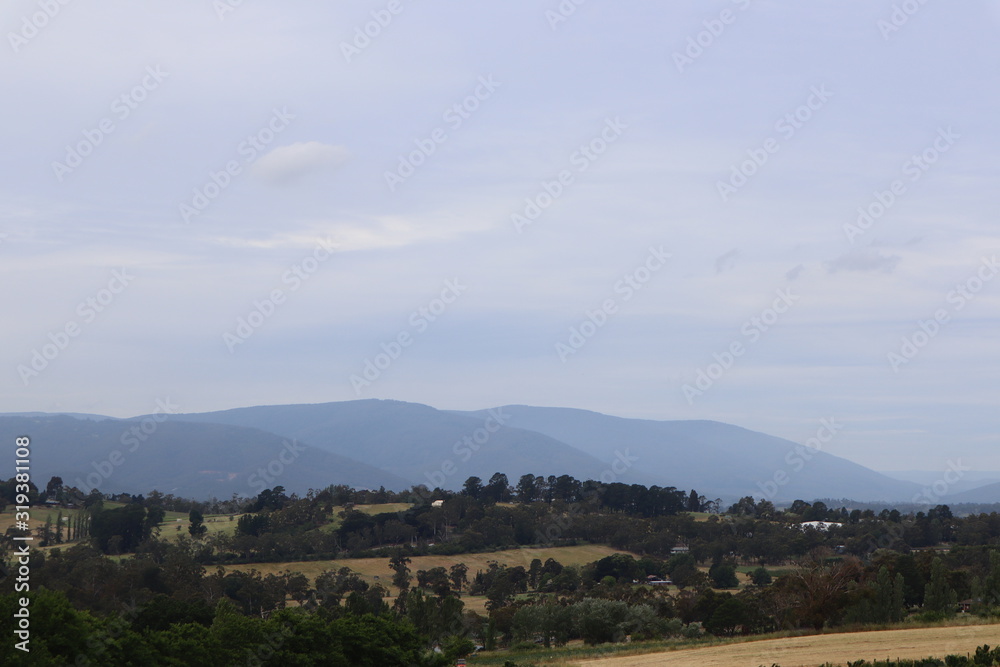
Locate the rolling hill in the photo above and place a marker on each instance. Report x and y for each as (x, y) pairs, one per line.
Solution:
(372, 443)
(418, 442)
(716, 459)
(190, 460)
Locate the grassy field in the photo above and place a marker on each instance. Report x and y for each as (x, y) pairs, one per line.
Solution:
(377, 569)
(370, 568)
(816, 650)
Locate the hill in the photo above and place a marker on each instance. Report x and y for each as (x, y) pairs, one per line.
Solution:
(716, 459)
(417, 442)
(372, 443)
(189, 460)
(981, 495)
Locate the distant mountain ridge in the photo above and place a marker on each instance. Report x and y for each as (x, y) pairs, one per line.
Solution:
(371, 443)
(418, 442)
(186, 459)
(715, 458)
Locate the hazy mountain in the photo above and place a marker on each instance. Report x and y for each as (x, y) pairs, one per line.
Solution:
(971, 479)
(192, 460)
(418, 442)
(982, 495)
(716, 459)
(372, 443)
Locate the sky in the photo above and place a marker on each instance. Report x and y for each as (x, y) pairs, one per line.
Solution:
(767, 213)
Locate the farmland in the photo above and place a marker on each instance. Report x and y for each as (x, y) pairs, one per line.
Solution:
(816, 650)
(377, 569)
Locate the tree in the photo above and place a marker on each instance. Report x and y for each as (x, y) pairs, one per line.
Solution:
(458, 574)
(154, 517)
(398, 563)
(497, 490)
(745, 507)
(254, 525)
(599, 621)
(939, 596)
(761, 576)
(694, 501)
(197, 527)
(727, 618)
(991, 585)
(527, 489)
(723, 575)
(822, 590)
(53, 490)
(120, 529)
(889, 597)
(473, 487)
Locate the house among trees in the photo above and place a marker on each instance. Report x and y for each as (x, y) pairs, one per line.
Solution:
(820, 525)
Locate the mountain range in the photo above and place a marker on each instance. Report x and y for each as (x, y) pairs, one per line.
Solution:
(373, 443)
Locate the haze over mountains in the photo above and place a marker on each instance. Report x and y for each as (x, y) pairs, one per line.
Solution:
(372, 443)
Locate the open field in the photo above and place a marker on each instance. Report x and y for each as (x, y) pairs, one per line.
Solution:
(369, 568)
(816, 650)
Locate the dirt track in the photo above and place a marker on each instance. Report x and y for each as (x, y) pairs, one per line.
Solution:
(814, 651)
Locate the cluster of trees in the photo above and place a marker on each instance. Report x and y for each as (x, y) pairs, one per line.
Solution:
(876, 567)
(167, 631)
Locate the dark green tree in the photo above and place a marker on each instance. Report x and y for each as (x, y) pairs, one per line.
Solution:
(197, 526)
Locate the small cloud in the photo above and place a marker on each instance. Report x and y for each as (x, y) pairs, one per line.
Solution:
(863, 260)
(726, 262)
(796, 272)
(286, 164)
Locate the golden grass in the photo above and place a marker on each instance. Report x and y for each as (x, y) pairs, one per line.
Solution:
(815, 650)
(369, 568)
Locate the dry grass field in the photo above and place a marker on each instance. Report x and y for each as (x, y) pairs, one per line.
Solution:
(819, 649)
(369, 568)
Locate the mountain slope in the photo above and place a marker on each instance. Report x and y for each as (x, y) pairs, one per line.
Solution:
(418, 442)
(982, 495)
(191, 460)
(716, 459)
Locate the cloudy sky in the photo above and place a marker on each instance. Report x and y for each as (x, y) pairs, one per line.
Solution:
(760, 212)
